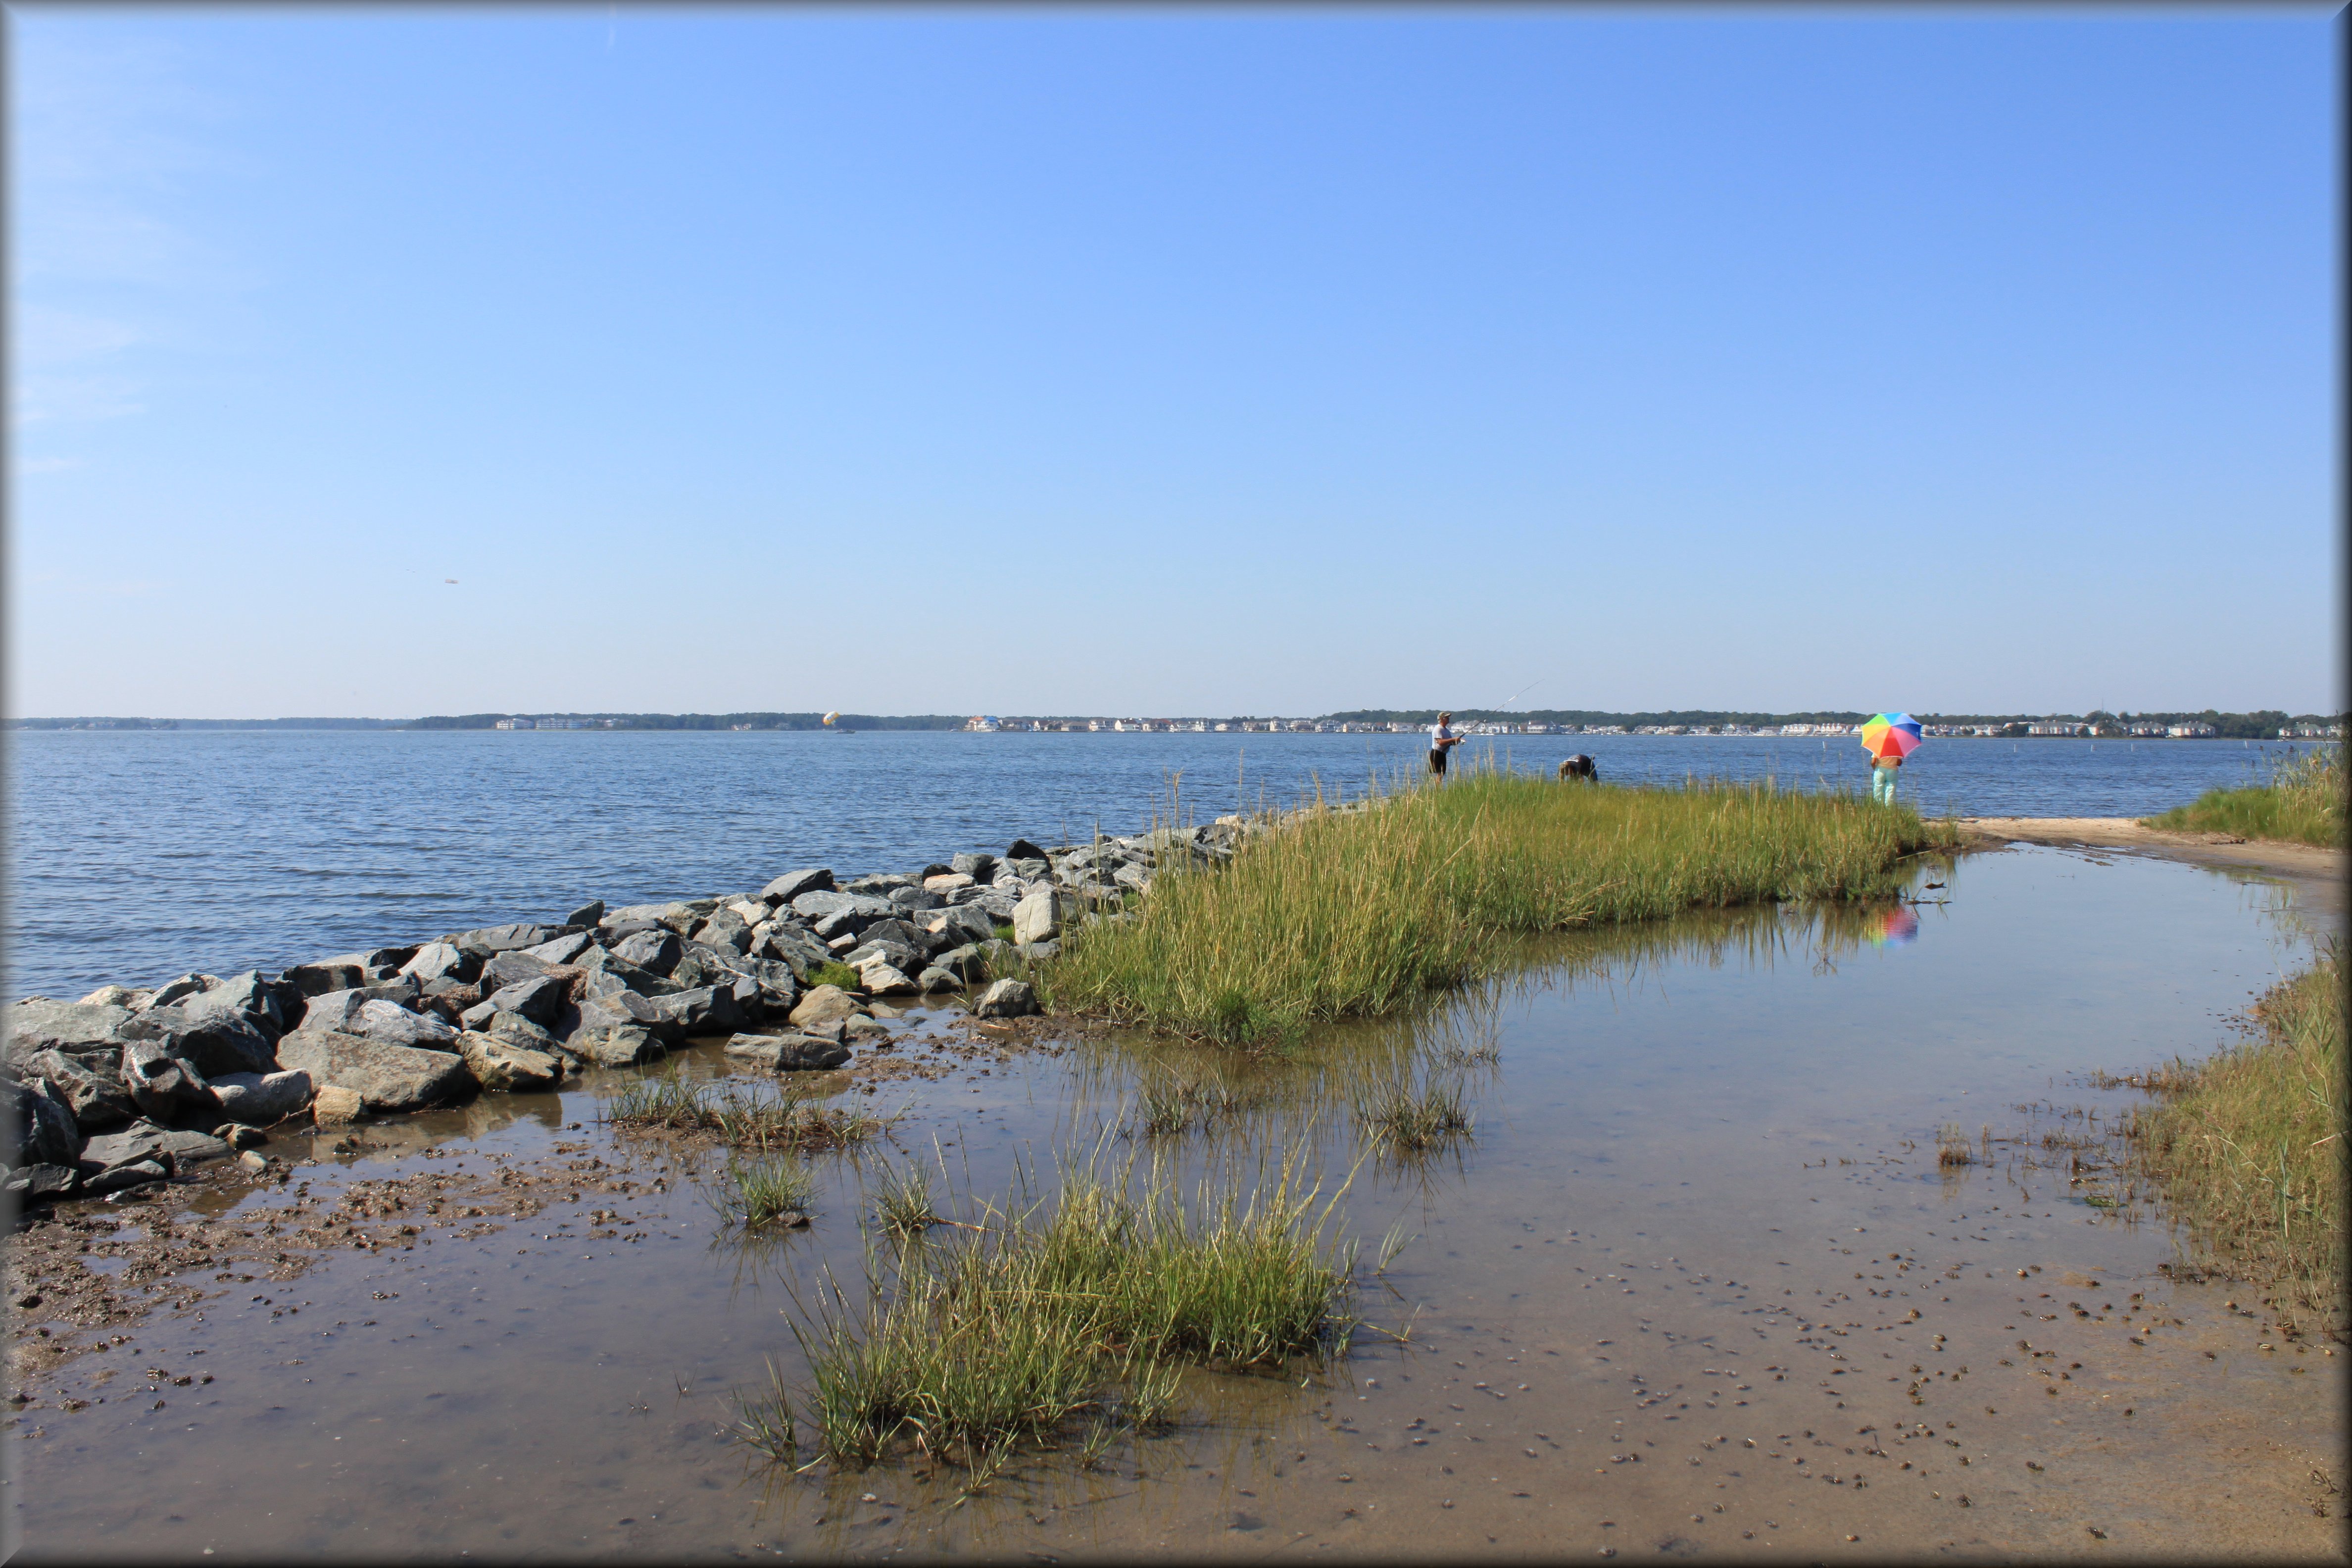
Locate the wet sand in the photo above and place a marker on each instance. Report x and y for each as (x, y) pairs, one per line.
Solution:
(2316, 875)
(1702, 1210)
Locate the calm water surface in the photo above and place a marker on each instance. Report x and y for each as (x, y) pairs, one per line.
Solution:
(136, 855)
(1701, 1209)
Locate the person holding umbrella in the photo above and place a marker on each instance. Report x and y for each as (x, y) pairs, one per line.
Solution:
(1888, 738)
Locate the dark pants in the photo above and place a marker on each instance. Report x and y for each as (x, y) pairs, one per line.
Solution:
(1437, 760)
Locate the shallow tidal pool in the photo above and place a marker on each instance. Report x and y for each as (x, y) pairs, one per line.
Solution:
(1695, 1284)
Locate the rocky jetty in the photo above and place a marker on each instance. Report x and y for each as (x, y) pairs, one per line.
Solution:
(128, 1085)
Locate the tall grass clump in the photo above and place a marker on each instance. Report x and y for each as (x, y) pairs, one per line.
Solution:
(1017, 1330)
(2249, 1146)
(1363, 912)
(767, 1191)
(2303, 802)
(789, 1121)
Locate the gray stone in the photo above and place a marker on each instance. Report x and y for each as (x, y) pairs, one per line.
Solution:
(522, 1031)
(814, 907)
(563, 950)
(680, 916)
(1006, 999)
(397, 1026)
(326, 975)
(793, 884)
(160, 1083)
(271, 1006)
(76, 1028)
(935, 980)
(1038, 917)
(441, 961)
(1134, 876)
(979, 867)
(121, 1178)
(621, 1046)
(786, 1053)
(182, 1150)
(118, 996)
(1001, 905)
(541, 999)
(97, 1099)
(725, 929)
(882, 978)
(917, 898)
(331, 1010)
(262, 1099)
(35, 1183)
(965, 962)
(503, 1067)
(501, 970)
(492, 940)
(588, 914)
(657, 951)
(1022, 850)
(707, 1010)
(1038, 952)
(841, 923)
(139, 1140)
(41, 1123)
(956, 927)
(823, 1005)
(878, 886)
(386, 1077)
(172, 993)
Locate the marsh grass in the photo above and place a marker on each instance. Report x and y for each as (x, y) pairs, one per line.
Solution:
(1086, 1311)
(1952, 1146)
(2248, 1147)
(2302, 802)
(766, 1192)
(1365, 908)
(1411, 1119)
(903, 1204)
(789, 1121)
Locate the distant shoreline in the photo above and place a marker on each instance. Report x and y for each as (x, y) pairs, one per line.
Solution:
(2259, 725)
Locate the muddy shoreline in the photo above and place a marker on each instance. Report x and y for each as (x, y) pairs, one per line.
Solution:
(1621, 1304)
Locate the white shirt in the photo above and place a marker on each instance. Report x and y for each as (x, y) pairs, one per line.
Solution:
(1440, 733)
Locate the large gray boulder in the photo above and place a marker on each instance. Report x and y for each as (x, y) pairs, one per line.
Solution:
(397, 1026)
(441, 961)
(492, 940)
(42, 1124)
(316, 979)
(1038, 917)
(679, 915)
(979, 867)
(657, 951)
(619, 1046)
(78, 1029)
(541, 999)
(158, 1083)
(918, 897)
(793, 884)
(1006, 999)
(818, 906)
(97, 1099)
(503, 1067)
(726, 930)
(786, 1053)
(262, 1099)
(386, 1077)
(331, 1010)
(271, 1006)
(826, 1004)
(119, 996)
(934, 980)
(709, 1010)
(518, 1029)
(953, 928)
(563, 950)
(880, 977)
(505, 968)
(144, 1142)
(224, 1041)
(610, 1010)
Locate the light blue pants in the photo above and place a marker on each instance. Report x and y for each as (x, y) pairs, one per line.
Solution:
(1882, 786)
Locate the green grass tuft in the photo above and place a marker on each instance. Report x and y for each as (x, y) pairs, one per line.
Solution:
(830, 973)
(2249, 1147)
(2303, 804)
(768, 1192)
(1364, 911)
(790, 1120)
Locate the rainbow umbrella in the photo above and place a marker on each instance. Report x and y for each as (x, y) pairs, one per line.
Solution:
(1890, 735)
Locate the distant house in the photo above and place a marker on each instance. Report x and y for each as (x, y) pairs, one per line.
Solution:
(2192, 731)
(516, 724)
(2058, 727)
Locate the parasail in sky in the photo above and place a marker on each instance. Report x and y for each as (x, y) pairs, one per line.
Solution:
(829, 718)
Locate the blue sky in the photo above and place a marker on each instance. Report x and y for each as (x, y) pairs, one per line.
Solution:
(1155, 361)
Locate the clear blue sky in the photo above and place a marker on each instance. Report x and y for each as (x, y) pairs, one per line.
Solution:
(1144, 360)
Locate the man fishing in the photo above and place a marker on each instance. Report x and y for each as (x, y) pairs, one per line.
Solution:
(1441, 740)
